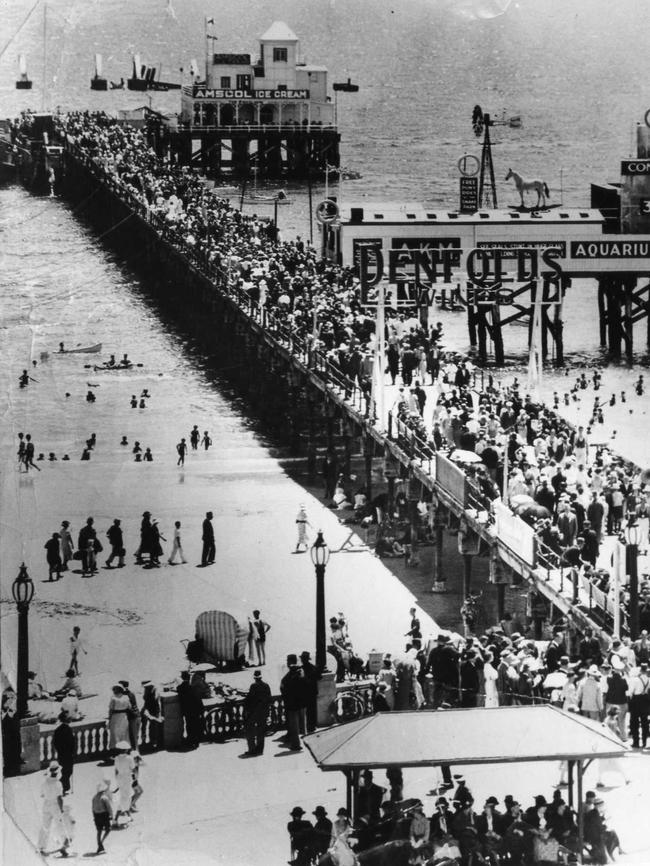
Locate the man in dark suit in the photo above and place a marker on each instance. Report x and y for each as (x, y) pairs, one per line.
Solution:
(490, 825)
(369, 798)
(469, 681)
(256, 707)
(555, 650)
(191, 705)
(443, 666)
(293, 691)
(322, 831)
(312, 677)
(64, 744)
(208, 554)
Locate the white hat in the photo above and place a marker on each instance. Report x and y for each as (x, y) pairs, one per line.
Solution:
(123, 745)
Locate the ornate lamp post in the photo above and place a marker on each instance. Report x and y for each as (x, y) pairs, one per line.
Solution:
(22, 590)
(320, 555)
(631, 562)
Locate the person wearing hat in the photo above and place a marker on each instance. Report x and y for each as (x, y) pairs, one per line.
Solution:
(191, 705)
(639, 693)
(490, 825)
(52, 816)
(53, 556)
(293, 688)
(133, 715)
(256, 709)
(612, 765)
(370, 796)
(601, 840)
(300, 836)
(616, 695)
(124, 766)
(65, 747)
(322, 832)
(151, 714)
(590, 694)
(118, 719)
(102, 809)
(462, 793)
(339, 844)
(443, 666)
(419, 831)
(312, 676)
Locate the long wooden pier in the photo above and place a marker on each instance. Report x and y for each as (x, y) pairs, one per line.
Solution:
(300, 395)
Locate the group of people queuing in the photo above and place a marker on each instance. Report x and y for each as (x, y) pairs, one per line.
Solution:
(544, 832)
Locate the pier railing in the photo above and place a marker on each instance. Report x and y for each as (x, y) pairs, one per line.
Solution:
(420, 453)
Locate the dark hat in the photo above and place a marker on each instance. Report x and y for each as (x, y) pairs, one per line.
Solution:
(491, 801)
(257, 675)
(319, 810)
(442, 638)
(540, 800)
(292, 659)
(458, 777)
(305, 655)
(124, 683)
(590, 795)
(442, 801)
(367, 773)
(333, 619)
(342, 811)
(297, 811)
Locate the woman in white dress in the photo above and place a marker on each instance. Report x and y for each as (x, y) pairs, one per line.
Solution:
(340, 850)
(124, 765)
(490, 675)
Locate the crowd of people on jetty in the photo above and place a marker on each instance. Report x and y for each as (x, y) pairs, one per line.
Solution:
(575, 491)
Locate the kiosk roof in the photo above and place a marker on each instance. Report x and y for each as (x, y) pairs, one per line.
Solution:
(468, 736)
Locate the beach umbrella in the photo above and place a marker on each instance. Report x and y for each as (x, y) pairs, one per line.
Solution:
(461, 456)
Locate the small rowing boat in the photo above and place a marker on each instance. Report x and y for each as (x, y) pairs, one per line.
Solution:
(81, 350)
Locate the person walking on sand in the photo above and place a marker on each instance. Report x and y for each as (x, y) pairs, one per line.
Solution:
(195, 436)
(177, 546)
(116, 541)
(206, 441)
(21, 450)
(76, 647)
(29, 454)
(67, 544)
(102, 814)
(87, 546)
(302, 523)
(208, 554)
(181, 448)
(53, 556)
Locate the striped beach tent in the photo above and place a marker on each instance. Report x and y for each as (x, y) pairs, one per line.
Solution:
(224, 637)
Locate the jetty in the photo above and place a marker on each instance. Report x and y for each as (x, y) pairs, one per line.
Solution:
(300, 394)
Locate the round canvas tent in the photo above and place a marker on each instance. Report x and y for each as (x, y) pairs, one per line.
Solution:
(224, 637)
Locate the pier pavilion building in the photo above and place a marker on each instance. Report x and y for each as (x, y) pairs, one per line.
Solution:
(271, 116)
(504, 260)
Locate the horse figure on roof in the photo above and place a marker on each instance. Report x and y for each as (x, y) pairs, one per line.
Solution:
(525, 185)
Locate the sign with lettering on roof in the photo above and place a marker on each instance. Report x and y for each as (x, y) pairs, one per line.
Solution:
(212, 93)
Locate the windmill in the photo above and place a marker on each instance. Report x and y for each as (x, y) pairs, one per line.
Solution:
(481, 124)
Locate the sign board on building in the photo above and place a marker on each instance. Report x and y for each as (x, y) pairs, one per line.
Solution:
(509, 248)
(635, 167)
(610, 249)
(468, 194)
(212, 93)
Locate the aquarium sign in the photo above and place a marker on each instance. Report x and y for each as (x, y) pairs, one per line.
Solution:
(211, 93)
(610, 249)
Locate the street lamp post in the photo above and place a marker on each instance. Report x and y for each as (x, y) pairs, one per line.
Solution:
(631, 562)
(22, 590)
(320, 555)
